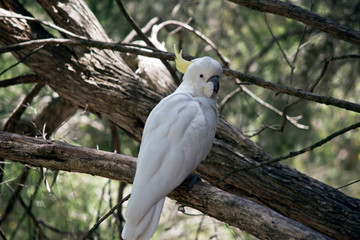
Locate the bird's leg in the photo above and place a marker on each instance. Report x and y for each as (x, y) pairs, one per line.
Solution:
(193, 178)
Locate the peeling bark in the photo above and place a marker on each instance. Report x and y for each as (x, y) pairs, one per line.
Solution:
(100, 81)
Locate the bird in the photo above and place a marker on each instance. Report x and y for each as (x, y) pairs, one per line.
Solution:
(178, 134)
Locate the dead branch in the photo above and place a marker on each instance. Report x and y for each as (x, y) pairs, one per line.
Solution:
(225, 61)
(310, 18)
(244, 89)
(146, 39)
(145, 29)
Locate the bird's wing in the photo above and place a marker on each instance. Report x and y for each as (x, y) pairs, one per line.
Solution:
(178, 134)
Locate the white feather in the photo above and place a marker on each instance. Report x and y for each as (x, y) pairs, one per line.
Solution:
(178, 134)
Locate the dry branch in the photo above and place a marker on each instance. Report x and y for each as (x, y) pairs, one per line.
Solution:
(226, 207)
(148, 42)
(310, 18)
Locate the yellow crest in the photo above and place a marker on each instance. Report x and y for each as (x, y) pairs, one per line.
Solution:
(181, 64)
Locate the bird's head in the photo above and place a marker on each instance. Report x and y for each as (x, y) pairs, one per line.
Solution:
(201, 74)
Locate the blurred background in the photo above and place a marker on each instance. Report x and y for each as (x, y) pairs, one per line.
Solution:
(274, 48)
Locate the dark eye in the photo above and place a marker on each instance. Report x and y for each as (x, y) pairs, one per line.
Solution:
(201, 75)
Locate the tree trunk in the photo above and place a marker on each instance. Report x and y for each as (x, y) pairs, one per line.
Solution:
(100, 81)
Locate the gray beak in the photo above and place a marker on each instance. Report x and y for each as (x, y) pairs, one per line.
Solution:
(215, 80)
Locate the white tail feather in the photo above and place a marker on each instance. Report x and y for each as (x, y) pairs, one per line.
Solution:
(145, 228)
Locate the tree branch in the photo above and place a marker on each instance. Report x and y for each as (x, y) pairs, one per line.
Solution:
(102, 83)
(132, 23)
(236, 211)
(280, 88)
(296, 153)
(112, 210)
(134, 49)
(29, 78)
(310, 18)
(20, 109)
(223, 59)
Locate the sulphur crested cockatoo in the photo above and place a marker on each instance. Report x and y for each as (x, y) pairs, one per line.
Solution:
(178, 134)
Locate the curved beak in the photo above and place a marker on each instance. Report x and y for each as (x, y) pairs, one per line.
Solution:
(215, 81)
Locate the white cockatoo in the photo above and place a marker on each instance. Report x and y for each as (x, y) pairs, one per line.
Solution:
(178, 135)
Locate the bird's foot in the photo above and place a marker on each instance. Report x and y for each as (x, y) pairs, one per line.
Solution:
(193, 179)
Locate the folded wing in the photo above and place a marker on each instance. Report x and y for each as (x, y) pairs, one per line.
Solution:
(178, 134)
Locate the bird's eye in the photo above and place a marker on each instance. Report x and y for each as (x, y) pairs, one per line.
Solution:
(201, 75)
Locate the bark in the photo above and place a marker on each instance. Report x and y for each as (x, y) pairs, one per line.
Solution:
(54, 114)
(100, 81)
(30, 78)
(236, 211)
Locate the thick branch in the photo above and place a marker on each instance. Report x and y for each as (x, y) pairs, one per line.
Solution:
(103, 84)
(236, 211)
(305, 16)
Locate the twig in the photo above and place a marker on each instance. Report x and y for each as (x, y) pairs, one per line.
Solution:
(293, 120)
(15, 195)
(346, 185)
(305, 16)
(120, 218)
(16, 115)
(61, 30)
(277, 42)
(128, 48)
(2, 235)
(19, 222)
(228, 97)
(115, 142)
(100, 204)
(224, 60)
(318, 79)
(21, 60)
(280, 88)
(37, 222)
(288, 106)
(292, 154)
(146, 39)
(181, 208)
(244, 89)
(96, 225)
(199, 227)
(267, 47)
(20, 109)
(145, 29)
(29, 78)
